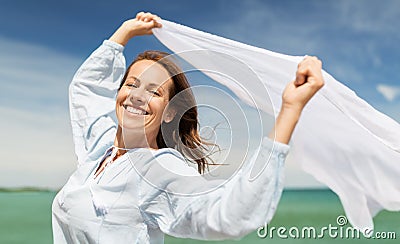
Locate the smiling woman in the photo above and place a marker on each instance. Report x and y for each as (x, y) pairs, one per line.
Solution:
(160, 80)
(140, 103)
(133, 183)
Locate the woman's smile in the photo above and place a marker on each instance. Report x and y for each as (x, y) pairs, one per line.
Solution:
(135, 110)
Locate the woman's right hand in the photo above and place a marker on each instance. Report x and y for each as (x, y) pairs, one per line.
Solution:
(143, 24)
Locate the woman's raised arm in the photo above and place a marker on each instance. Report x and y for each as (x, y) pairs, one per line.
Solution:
(94, 86)
(295, 97)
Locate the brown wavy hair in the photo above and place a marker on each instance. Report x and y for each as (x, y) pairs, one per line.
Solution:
(187, 139)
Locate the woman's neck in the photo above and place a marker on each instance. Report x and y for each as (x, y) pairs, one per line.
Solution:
(128, 139)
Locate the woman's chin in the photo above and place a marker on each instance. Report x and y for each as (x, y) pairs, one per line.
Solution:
(132, 122)
(133, 127)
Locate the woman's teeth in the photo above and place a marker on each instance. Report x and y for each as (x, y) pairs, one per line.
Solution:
(135, 111)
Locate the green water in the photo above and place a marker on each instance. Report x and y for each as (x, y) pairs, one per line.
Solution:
(25, 217)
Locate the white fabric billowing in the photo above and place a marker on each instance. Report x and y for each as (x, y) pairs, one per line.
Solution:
(341, 140)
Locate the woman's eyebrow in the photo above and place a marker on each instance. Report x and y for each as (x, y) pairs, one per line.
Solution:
(135, 78)
(150, 84)
(158, 86)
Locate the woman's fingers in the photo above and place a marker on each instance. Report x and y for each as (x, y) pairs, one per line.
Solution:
(308, 81)
(309, 67)
(146, 17)
(139, 15)
(300, 78)
(157, 24)
(151, 19)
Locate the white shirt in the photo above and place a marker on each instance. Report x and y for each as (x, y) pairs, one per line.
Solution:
(146, 193)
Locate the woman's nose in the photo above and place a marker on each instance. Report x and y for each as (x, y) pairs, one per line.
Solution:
(138, 96)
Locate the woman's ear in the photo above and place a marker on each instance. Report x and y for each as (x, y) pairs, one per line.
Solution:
(169, 115)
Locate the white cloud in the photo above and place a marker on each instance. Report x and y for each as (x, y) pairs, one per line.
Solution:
(36, 149)
(389, 92)
(37, 144)
(32, 76)
(364, 16)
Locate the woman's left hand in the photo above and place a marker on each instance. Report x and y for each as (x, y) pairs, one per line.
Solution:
(308, 81)
(295, 97)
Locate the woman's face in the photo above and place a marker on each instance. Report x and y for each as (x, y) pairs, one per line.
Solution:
(143, 98)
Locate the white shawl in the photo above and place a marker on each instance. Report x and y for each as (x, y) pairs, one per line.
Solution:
(340, 139)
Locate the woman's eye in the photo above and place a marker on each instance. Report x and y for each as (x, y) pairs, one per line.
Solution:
(155, 93)
(131, 85)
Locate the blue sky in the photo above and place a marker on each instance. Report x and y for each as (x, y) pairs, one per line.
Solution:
(42, 43)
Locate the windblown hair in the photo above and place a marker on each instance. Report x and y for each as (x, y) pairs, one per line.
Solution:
(187, 139)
